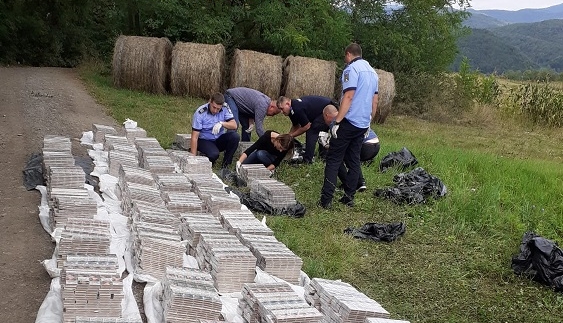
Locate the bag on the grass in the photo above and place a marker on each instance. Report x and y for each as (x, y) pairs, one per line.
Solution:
(403, 159)
(413, 188)
(541, 260)
(378, 232)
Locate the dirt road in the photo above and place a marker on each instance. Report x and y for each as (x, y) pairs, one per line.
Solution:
(34, 102)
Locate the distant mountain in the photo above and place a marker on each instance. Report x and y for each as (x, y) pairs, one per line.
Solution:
(481, 21)
(485, 19)
(489, 53)
(514, 47)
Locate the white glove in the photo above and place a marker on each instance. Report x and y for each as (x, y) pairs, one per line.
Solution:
(250, 128)
(217, 128)
(334, 130)
(366, 134)
(271, 173)
(324, 139)
(237, 168)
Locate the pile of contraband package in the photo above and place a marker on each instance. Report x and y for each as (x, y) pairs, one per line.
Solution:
(163, 217)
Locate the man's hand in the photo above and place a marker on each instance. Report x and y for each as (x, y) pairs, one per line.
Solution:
(217, 128)
(334, 129)
(250, 128)
(237, 167)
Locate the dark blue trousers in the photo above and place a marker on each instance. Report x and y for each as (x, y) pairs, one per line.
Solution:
(260, 157)
(345, 148)
(312, 136)
(227, 142)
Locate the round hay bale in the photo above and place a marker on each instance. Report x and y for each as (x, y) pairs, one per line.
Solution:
(142, 63)
(197, 69)
(308, 76)
(255, 70)
(385, 96)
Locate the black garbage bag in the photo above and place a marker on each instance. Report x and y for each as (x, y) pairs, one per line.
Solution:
(413, 188)
(87, 164)
(403, 158)
(255, 203)
(378, 232)
(33, 172)
(298, 152)
(541, 260)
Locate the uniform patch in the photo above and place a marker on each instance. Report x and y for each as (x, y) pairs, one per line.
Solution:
(346, 76)
(203, 110)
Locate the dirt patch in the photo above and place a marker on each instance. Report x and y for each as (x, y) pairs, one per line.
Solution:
(34, 102)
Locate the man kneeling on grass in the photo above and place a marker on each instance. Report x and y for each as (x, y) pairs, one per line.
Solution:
(208, 131)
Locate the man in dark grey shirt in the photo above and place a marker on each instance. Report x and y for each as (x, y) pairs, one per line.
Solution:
(246, 104)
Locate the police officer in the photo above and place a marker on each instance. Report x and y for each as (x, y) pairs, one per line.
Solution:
(208, 130)
(357, 107)
(306, 115)
(370, 148)
(249, 104)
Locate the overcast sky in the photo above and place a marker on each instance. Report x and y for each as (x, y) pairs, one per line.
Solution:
(512, 4)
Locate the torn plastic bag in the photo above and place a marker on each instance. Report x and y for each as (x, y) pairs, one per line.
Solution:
(257, 204)
(541, 260)
(33, 172)
(298, 152)
(378, 232)
(413, 188)
(403, 158)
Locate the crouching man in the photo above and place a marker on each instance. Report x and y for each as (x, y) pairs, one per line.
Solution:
(209, 135)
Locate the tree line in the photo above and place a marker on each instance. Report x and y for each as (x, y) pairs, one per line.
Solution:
(417, 36)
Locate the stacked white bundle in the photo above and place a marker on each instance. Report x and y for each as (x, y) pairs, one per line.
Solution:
(196, 165)
(91, 293)
(189, 295)
(182, 202)
(251, 172)
(100, 131)
(132, 133)
(135, 174)
(173, 182)
(119, 143)
(54, 143)
(276, 194)
(56, 153)
(131, 192)
(222, 201)
(70, 203)
(65, 177)
(159, 164)
(145, 151)
(148, 142)
(274, 257)
(237, 225)
(92, 239)
(148, 213)
(117, 158)
(222, 213)
(275, 303)
(155, 247)
(178, 155)
(340, 302)
(231, 263)
(192, 228)
(183, 140)
(80, 319)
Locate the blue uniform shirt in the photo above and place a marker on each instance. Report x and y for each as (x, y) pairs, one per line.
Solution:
(204, 121)
(371, 135)
(362, 78)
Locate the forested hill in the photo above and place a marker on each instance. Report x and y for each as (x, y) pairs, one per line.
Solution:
(514, 47)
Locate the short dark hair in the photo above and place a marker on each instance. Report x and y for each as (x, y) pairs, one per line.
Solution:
(353, 49)
(218, 98)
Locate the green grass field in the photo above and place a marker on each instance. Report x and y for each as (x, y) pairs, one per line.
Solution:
(453, 263)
